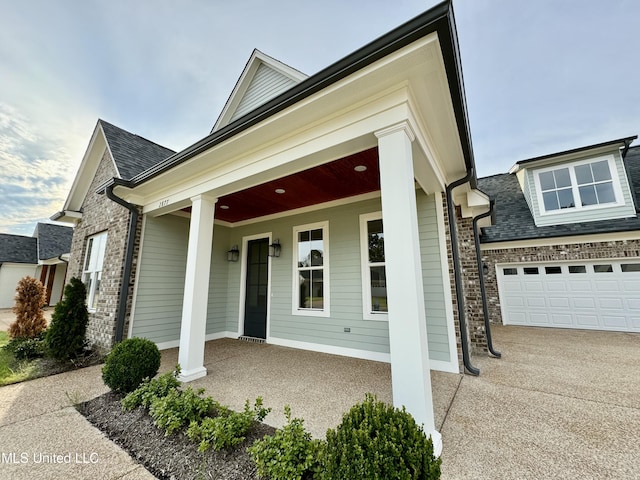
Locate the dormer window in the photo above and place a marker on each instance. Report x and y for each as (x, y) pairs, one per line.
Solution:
(577, 186)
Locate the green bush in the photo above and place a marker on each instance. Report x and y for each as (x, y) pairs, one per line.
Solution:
(179, 408)
(65, 336)
(228, 428)
(289, 454)
(129, 363)
(150, 389)
(27, 348)
(378, 441)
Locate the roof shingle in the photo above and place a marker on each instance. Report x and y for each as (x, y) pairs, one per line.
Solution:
(53, 240)
(18, 249)
(131, 153)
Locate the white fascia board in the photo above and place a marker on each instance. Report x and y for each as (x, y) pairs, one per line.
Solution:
(86, 170)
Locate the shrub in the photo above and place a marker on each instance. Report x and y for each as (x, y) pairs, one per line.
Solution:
(129, 363)
(149, 390)
(65, 337)
(179, 408)
(229, 428)
(30, 298)
(289, 454)
(378, 441)
(27, 348)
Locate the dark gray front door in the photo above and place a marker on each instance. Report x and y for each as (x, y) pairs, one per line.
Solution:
(255, 304)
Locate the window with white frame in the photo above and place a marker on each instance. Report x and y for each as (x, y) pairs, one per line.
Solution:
(92, 271)
(578, 185)
(374, 279)
(311, 269)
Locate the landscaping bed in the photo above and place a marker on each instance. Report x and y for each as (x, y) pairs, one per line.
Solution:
(169, 457)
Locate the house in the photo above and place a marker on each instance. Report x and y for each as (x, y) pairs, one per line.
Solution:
(564, 250)
(327, 212)
(44, 255)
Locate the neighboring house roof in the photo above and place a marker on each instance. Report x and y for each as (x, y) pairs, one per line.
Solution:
(18, 249)
(53, 240)
(131, 153)
(514, 221)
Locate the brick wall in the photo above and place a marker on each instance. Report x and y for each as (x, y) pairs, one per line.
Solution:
(100, 214)
(553, 253)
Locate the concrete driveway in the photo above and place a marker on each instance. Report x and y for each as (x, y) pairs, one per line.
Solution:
(559, 404)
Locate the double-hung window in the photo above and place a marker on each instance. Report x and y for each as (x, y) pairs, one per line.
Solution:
(311, 270)
(374, 279)
(577, 186)
(92, 270)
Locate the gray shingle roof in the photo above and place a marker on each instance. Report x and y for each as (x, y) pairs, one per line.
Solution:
(514, 220)
(53, 240)
(18, 249)
(132, 153)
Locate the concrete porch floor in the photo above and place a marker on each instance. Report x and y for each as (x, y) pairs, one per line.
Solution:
(559, 404)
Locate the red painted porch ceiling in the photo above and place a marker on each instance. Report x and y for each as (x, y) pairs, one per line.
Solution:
(331, 181)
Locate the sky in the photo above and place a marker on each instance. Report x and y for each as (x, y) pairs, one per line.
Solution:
(540, 76)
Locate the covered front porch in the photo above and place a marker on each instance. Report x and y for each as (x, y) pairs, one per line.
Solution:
(319, 387)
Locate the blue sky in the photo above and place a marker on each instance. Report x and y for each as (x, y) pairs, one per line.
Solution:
(540, 76)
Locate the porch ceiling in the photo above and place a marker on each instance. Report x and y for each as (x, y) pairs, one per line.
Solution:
(328, 182)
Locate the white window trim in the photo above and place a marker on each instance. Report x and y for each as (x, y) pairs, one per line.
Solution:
(295, 309)
(367, 313)
(101, 254)
(615, 179)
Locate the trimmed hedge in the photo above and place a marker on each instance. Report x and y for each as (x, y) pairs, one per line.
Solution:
(129, 363)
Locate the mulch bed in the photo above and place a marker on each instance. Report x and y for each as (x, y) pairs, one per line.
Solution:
(173, 457)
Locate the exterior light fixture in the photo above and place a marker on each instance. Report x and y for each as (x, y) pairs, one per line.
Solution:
(233, 254)
(485, 269)
(274, 248)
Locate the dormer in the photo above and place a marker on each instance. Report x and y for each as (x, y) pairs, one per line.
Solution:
(262, 79)
(581, 185)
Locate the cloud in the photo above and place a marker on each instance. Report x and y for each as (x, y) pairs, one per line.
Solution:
(35, 180)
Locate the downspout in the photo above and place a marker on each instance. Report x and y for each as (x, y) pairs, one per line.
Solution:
(128, 260)
(456, 271)
(485, 309)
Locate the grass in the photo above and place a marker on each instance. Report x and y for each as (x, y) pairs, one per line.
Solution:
(12, 370)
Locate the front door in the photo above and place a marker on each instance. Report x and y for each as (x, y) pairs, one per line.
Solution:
(255, 303)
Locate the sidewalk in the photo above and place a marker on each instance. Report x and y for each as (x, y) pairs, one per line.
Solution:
(42, 436)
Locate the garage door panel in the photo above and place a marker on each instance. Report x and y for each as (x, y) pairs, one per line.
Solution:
(579, 286)
(614, 322)
(559, 302)
(587, 321)
(583, 302)
(534, 302)
(561, 319)
(539, 319)
(611, 303)
(603, 295)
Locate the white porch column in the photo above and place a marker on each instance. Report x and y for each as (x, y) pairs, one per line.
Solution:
(196, 289)
(410, 372)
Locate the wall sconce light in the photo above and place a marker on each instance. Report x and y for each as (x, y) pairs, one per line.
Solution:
(233, 254)
(485, 269)
(274, 248)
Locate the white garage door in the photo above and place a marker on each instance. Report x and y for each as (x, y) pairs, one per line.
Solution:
(597, 295)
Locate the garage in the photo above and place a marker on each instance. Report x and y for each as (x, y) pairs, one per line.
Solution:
(595, 295)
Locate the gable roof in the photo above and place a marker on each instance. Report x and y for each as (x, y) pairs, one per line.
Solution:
(132, 153)
(262, 79)
(439, 20)
(514, 221)
(53, 240)
(18, 249)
